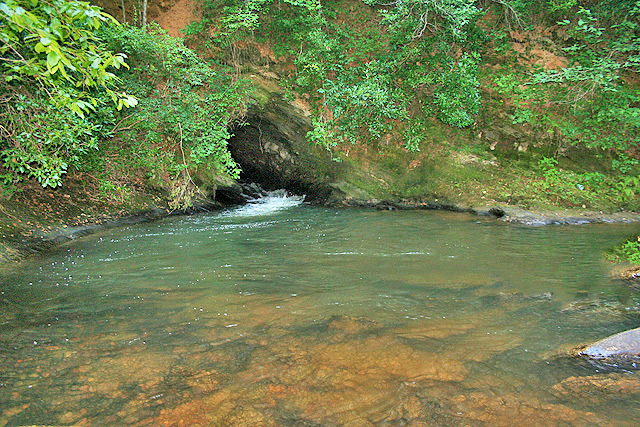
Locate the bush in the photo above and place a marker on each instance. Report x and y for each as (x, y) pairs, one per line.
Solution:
(43, 142)
(59, 92)
(185, 109)
(627, 251)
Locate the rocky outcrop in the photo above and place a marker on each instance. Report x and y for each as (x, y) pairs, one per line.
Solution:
(273, 150)
(624, 344)
(559, 217)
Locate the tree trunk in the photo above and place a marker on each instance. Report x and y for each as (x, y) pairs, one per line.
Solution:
(144, 13)
(124, 12)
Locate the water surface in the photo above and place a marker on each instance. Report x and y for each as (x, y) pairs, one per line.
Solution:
(283, 314)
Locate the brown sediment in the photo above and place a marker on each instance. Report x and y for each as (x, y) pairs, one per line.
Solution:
(436, 328)
(510, 410)
(589, 387)
(345, 371)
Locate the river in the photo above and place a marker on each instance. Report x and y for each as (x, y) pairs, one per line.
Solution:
(279, 313)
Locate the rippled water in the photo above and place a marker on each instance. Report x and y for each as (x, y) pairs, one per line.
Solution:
(282, 314)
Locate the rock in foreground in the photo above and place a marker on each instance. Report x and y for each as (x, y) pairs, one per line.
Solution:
(624, 344)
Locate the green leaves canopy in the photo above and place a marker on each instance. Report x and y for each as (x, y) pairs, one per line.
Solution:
(55, 72)
(53, 42)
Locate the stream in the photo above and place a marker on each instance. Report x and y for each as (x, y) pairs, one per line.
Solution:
(278, 313)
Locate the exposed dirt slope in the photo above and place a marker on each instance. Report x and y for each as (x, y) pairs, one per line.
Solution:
(178, 16)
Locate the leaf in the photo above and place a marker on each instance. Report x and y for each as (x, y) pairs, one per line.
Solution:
(52, 59)
(130, 101)
(6, 9)
(76, 109)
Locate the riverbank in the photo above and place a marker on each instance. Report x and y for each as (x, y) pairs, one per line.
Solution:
(36, 219)
(511, 214)
(514, 172)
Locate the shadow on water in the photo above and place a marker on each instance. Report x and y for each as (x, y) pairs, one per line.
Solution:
(283, 314)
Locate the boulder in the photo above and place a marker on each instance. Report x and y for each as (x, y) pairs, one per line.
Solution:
(624, 344)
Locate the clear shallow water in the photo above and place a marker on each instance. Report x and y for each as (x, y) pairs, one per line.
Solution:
(282, 314)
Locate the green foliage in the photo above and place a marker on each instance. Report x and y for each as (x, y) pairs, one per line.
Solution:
(523, 13)
(46, 142)
(363, 80)
(606, 110)
(628, 187)
(570, 188)
(114, 191)
(627, 251)
(561, 5)
(591, 67)
(552, 175)
(42, 142)
(376, 67)
(412, 19)
(322, 134)
(593, 180)
(242, 17)
(53, 43)
(414, 134)
(362, 103)
(624, 163)
(588, 104)
(64, 90)
(185, 108)
(59, 93)
(457, 95)
(427, 31)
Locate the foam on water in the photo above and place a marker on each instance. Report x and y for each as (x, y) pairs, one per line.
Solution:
(272, 202)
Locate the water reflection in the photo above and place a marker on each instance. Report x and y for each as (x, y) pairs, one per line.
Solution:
(282, 314)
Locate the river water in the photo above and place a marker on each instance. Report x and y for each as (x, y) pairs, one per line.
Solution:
(283, 314)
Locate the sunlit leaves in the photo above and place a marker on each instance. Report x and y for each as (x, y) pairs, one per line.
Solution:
(414, 18)
(57, 67)
(185, 106)
(53, 42)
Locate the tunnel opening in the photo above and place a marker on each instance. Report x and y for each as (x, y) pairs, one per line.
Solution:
(272, 155)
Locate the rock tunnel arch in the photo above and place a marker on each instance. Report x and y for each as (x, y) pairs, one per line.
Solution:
(272, 150)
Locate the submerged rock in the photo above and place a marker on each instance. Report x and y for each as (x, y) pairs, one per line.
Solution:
(589, 387)
(624, 344)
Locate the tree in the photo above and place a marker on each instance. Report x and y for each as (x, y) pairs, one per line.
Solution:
(52, 43)
(57, 88)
